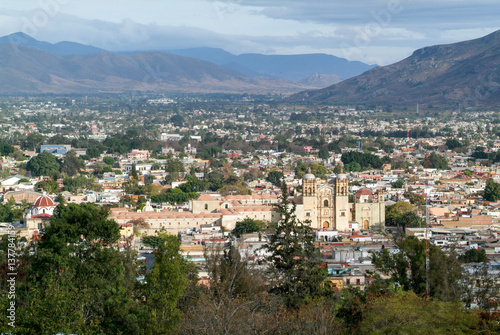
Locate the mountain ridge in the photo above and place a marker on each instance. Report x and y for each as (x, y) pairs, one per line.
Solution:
(466, 72)
(29, 70)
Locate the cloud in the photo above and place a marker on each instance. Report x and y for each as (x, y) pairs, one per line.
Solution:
(372, 31)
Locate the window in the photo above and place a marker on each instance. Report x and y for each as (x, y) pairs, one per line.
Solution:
(308, 214)
(342, 213)
(206, 206)
(227, 206)
(348, 282)
(325, 203)
(358, 281)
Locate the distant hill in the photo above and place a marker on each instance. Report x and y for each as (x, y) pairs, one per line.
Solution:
(466, 72)
(321, 80)
(291, 67)
(61, 48)
(30, 70)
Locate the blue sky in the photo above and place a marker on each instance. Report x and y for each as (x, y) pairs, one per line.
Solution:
(374, 31)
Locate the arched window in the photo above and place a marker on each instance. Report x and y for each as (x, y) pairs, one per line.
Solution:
(206, 206)
(325, 203)
(227, 206)
(309, 190)
(342, 190)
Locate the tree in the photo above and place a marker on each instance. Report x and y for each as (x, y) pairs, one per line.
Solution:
(416, 316)
(398, 183)
(275, 177)
(165, 284)
(409, 220)
(248, 225)
(438, 162)
(49, 186)
(152, 241)
(109, 161)
(72, 164)
(43, 164)
(473, 256)
(237, 189)
(133, 173)
(406, 269)
(295, 267)
(323, 153)
(79, 283)
(393, 212)
(492, 190)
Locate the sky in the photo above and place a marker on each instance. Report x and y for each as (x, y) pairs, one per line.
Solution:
(372, 31)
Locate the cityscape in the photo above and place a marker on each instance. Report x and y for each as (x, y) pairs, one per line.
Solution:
(230, 172)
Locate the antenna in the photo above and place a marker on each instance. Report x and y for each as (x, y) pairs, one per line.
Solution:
(427, 261)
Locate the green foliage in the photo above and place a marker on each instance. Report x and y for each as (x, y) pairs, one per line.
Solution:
(81, 182)
(275, 177)
(10, 211)
(49, 186)
(365, 160)
(194, 184)
(109, 161)
(393, 212)
(174, 165)
(295, 266)
(75, 282)
(491, 191)
(6, 149)
(235, 189)
(438, 162)
(248, 225)
(323, 153)
(165, 284)
(473, 256)
(406, 269)
(415, 199)
(407, 313)
(72, 164)
(152, 241)
(317, 169)
(43, 164)
(409, 220)
(398, 183)
(174, 196)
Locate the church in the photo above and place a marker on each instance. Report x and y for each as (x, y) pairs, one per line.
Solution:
(329, 205)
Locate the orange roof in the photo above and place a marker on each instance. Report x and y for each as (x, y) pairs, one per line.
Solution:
(206, 197)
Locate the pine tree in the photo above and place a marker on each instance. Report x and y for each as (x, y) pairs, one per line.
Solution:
(295, 266)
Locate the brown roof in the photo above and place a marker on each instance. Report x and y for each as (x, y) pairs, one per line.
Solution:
(206, 197)
(364, 191)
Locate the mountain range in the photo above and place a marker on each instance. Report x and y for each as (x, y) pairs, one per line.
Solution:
(466, 72)
(291, 67)
(27, 70)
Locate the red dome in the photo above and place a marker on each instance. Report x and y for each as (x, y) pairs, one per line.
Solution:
(364, 191)
(44, 201)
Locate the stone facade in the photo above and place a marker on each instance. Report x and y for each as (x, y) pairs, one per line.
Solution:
(327, 206)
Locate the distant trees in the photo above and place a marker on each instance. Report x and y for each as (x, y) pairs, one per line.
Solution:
(275, 177)
(406, 268)
(72, 163)
(49, 186)
(44, 164)
(248, 225)
(491, 191)
(437, 161)
(365, 160)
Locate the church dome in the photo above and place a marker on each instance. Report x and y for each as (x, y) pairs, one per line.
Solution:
(309, 176)
(44, 201)
(364, 191)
